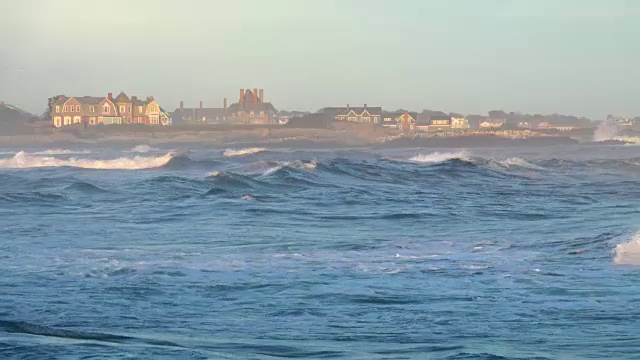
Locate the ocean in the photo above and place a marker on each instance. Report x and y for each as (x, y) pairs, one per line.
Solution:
(152, 253)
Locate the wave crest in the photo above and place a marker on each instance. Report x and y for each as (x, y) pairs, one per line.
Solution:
(243, 152)
(628, 253)
(438, 157)
(24, 160)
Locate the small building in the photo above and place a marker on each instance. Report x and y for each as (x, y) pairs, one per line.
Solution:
(368, 115)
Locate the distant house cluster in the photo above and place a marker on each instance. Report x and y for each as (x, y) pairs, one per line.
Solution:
(96, 110)
(251, 108)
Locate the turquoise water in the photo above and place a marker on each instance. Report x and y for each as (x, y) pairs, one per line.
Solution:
(385, 254)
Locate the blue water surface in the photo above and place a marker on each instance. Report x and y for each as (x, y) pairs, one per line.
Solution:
(285, 253)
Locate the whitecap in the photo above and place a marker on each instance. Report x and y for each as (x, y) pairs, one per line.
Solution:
(24, 160)
(628, 253)
(243, 152)
(518, 162)
(438, 157)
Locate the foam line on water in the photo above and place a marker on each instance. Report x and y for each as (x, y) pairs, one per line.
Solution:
(24, 160)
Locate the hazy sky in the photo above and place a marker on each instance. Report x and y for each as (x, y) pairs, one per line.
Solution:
(541, 56)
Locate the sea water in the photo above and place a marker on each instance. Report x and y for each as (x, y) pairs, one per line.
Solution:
(354, 253)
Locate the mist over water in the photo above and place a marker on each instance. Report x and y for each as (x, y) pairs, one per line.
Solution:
(521, 253)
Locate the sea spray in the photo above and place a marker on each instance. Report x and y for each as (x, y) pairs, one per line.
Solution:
(24, 160)
(628, 253)
(438, 157)
(243, 152)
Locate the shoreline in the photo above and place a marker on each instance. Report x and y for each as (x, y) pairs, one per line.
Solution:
(312, 138)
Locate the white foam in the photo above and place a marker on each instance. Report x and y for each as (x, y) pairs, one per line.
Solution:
(297, 164)
(243, 152)
(24, 160)
(628, 253)
(438, 157)
(519, 162)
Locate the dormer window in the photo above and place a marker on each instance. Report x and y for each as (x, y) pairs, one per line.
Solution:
(140, 108)
(121, 108)
(57, 108)
(65, 108)
(92, 108)
(105, 109)
(77, 108)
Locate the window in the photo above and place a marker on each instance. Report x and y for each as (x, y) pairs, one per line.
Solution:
(129, 108)
(66, 108)
(105, 109)
(121, 108)
(140, 108)
(92, 108)
(57, 109)
(77, 108)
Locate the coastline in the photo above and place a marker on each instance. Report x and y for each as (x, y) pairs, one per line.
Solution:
(336, 137)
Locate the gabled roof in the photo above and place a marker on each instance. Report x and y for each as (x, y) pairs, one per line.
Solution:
(122, 97)
(90, 100)
(249, 107)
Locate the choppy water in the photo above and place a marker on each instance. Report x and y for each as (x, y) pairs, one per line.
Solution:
(256, 253)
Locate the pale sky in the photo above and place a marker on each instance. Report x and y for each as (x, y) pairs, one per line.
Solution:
(575, 57)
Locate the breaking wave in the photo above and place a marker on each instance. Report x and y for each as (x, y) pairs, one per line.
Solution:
(438, 157)
(517, 162)
(628, 253)
(243, 152)
(24, 160)
(296, 165)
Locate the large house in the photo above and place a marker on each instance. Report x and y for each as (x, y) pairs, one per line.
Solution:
(459, 123)
(363, 114)
(251, 109)
(201, 115)
(404, 121)
(433, 122)
(93, 110)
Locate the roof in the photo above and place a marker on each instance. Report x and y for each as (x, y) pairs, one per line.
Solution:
(90, 100)
(255, 107)
(395, 115)
(122, 97)
(358, 110)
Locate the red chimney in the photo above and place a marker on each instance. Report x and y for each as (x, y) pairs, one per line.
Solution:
(365, 106)
(110, 96)
(1, 102)
(181, 105)
(262, 95)
(241, 96)
(255, 95)
(348, 108)
(61, 97)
